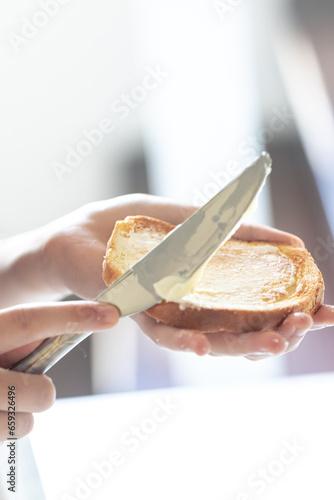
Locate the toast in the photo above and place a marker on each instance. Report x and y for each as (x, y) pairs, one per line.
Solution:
(246, 286)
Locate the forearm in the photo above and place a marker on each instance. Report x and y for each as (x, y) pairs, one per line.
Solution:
(25, 274)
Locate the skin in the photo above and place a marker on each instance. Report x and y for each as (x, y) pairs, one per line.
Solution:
(23, 328)
(66, 257)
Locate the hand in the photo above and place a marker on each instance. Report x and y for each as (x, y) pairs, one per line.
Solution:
(22, 328)
(252, 345)
(75, 247)
(76, 244)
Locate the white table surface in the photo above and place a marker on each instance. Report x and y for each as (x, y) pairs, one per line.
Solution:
(273, 441)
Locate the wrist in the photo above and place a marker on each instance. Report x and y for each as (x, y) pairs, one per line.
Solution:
(50, 255)
(26, 274)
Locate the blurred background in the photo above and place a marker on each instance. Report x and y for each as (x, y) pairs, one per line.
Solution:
(169, 98)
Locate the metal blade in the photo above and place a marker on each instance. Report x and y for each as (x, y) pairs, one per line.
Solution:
(186, 248)
(181, 253)
(128, 295)
(189, 245)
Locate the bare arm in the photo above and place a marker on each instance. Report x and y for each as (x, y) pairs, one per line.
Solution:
(66, 256)
(23, 270)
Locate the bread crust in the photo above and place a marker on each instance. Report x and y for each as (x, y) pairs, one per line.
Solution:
(135, 223)
(214, 319)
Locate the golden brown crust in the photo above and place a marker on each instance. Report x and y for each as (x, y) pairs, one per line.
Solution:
(136, 223)
(307, 299)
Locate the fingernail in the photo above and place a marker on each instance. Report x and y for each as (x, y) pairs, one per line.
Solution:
(279, 341)
(202, 350)
(262, 352)
(278, 346)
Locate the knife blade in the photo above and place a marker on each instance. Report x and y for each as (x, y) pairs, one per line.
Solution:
(180, 254)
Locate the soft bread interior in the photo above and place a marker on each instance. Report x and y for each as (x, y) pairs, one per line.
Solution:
(133, 245)
(240, 276)
(243, 276)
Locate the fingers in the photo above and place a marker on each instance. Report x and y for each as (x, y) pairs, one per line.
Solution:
(33, 393)
(21, 325)
(7, 359)
(294, 322)
(263, 343)
(323, 317)
(175, 213)
(294, 329)
(173, 338)
(144, 204)
(252, 345)
(164, 208)
(24, 423)
(265, 233)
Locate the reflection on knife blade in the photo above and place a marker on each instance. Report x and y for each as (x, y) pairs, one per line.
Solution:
(172, 266)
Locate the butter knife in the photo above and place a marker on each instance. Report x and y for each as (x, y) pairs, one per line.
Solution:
(180, 255)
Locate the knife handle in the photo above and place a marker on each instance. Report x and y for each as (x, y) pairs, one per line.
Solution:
(48, 353)
(126, 293)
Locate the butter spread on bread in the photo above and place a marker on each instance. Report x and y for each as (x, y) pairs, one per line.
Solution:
(245, 286)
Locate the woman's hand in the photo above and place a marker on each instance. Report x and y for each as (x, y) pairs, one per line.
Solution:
(76, 244)
(22, 329)
(72, 254)
(254, 345)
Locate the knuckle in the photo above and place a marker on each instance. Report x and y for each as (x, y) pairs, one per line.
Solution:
(141, 197)
(24, 318)
(85, 312)
(138, 200)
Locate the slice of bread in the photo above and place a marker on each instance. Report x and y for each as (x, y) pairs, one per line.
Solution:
(246, 286)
